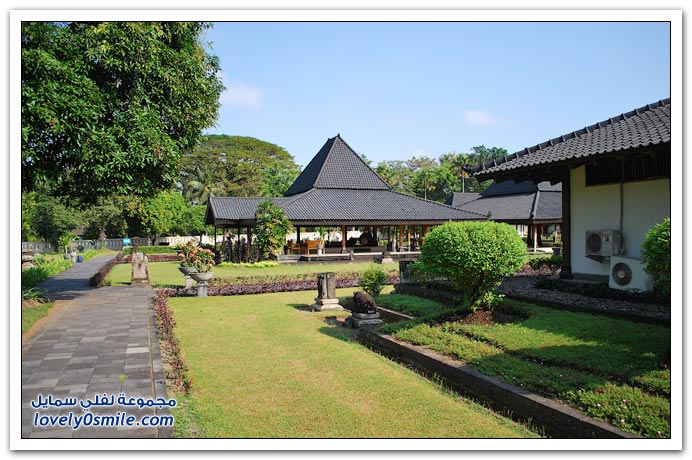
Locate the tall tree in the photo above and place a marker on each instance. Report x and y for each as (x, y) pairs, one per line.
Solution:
(247, 166)
(110, 107)
(202, 183)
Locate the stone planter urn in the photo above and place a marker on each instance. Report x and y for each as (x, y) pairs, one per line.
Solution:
(202, 277)
(187, 270)
(557, 250)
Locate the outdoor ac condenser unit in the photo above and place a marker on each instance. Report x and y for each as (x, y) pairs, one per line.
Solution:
(628, 273)
(603, 243)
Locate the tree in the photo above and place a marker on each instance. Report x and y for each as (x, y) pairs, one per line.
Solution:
(161, 214)
(202, 183)
(106, 214)
(245, 165)
(473, 256)
(110, 107)
(51, 218)
(270, 229)
(656, 255)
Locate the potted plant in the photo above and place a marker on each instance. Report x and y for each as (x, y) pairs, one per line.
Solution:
(203, 260)
(65, 242)
(187, 253)
(557, 248)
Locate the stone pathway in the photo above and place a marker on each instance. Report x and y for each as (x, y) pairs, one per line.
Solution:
(99, 340)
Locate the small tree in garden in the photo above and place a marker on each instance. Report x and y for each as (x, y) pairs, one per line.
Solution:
(270, 229)
(372, 280)
(473, 256)
(656, 255)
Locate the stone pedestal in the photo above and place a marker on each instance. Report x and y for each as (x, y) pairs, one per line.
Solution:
(387, 258)
(326, 293)
(364, 320)
(202, 288)
(188, 281)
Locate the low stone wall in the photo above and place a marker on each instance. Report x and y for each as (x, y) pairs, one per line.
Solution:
(392, 316)
(556, 419)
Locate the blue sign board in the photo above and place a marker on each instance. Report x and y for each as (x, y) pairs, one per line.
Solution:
(126, 241)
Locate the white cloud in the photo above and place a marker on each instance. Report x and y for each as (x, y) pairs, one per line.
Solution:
(480, 118)
(241, 95)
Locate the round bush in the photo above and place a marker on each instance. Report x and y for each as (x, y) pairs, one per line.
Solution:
(656, 255)
(372, 280)
(473, 256)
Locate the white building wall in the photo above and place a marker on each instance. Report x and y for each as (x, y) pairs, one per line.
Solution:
(646, 203)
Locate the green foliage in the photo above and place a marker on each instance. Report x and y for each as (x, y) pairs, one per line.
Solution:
(656, 255)
(373, 280)
(262, 264)
(43, 269)
(110, 107)
(49, 218)
(436, 179)
(410, 305)
(554, 261)
(152, 250)
(236, 166)
(161, 214)
(473, 256)
(572, 357)
(270, 229)
(32, 314)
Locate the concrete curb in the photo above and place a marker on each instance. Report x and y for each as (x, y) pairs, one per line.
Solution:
(557, 419)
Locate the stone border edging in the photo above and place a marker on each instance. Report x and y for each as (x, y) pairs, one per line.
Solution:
(556, 419)
(393, 316)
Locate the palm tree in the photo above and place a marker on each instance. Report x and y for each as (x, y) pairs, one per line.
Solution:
(203, 182)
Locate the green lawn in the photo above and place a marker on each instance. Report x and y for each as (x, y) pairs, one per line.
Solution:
(32, 314)
(167, 274)
(262, 368)
(609, 368)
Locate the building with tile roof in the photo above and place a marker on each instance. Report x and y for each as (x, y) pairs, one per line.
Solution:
(530, 207)
(615, 178)
(338, 189)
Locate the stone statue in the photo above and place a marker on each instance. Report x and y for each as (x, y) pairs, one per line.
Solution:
(140, 271)
(363, 303)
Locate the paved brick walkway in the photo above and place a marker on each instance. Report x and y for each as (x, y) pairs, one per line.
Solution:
(100, 340)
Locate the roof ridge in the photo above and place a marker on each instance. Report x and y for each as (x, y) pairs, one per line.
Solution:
(360, 158)
(572, 135)
(329, 152)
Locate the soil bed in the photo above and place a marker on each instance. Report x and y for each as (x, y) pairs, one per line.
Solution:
(481, 318)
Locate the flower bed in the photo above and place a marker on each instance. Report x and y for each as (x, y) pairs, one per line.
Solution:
(99, 278)
(253, 285)
(153, 258)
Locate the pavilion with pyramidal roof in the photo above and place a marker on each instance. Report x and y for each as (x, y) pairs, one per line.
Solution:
(338, 190)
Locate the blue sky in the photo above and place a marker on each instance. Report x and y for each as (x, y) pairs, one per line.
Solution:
(398, 89)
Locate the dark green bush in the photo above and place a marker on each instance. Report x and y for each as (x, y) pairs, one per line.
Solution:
(554, 261)
(656, 255)
(152, 250)
(373, 280)
(473, 256)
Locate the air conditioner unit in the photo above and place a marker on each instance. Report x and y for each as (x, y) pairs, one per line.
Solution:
(601, 244)
(628, 273)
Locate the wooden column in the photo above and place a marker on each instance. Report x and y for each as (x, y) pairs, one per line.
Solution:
(535, 236)
(298, 235)
(565, 227)
(408, 237)
(400, 238)
(343, 239)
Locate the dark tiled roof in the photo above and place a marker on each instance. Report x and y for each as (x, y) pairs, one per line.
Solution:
(508, 201)
(510, 187)
(643, 127)
(459, 198)
(336, 165)
(338, 187)
(335, 206)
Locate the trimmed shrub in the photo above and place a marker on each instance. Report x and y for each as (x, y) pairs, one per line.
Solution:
(656, 255)
(270, 229)
(152, 250)
(474, 257)
(373, 280)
